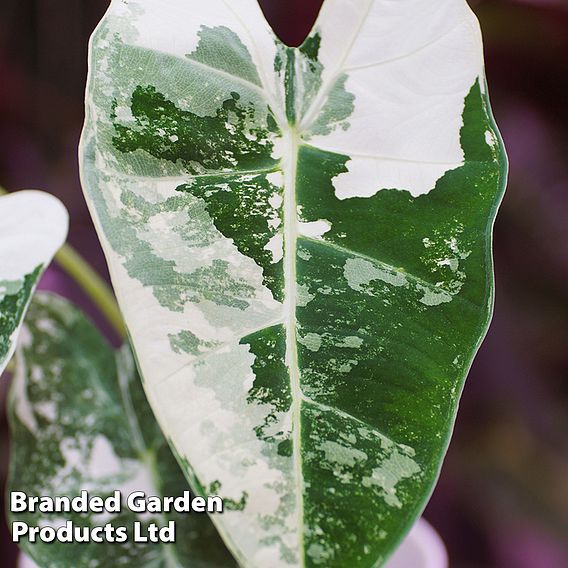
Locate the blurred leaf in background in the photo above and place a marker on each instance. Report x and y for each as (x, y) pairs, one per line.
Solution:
(80, 421)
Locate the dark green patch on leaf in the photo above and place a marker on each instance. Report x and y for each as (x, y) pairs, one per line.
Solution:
(271, 384)
(230, 140)
(243, 210)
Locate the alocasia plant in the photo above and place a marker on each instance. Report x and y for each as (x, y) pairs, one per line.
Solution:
(33, 225)
(300, 242)
(80, 421)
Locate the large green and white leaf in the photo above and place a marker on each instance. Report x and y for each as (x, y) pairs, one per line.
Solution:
(33, 225)
(300, 241)
(80, 421)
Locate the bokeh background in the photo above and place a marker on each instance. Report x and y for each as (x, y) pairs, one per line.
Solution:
(502, 500)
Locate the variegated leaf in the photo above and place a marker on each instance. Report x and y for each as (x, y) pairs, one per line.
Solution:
(300, 243)
(33, 225)
(80, 421)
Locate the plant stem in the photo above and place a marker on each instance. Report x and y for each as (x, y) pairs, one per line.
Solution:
(91, 283)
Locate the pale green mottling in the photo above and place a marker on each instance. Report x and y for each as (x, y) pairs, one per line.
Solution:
(389, 474)
(360, 272)
(303, 296)
(311, 341)
(338, 454)
(351, 341)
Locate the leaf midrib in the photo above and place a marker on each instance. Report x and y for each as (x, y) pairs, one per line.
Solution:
(290, 168)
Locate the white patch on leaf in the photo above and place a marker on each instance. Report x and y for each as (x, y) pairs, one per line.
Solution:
(314, 229)
(276, 246)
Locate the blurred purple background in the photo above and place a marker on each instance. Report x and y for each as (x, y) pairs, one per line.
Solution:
(502, 500)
